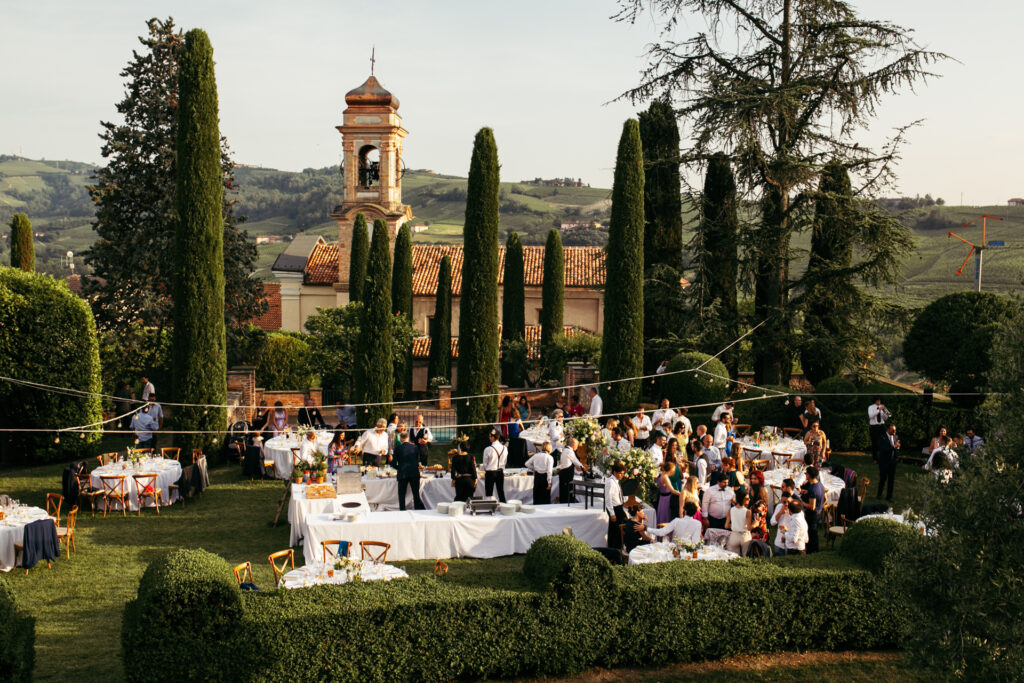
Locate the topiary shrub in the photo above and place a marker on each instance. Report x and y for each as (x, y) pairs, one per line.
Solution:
(188, 598)
(771, 411)
(872, 541)
(17, 637)
(839, 404)
(684, 388)
(285, 363)
(562, 562)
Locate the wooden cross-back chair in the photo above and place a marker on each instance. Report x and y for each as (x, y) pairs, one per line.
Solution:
(145, 487)
(114, 490)
(106, 458)
(741, 430)
(53, 504)
(197, 453)
(144, 452)
(862, 485)
(170, 453)
(342, 550)
(837, 530)
(792, 431)
(375, 551)
(287, 558)
(243, 571)
(86, 492)
(66, 534)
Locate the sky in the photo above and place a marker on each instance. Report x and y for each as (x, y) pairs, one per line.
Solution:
(542, 74)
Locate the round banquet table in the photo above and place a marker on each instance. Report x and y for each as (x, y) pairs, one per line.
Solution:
(316, 574)
(782, 451)
(833, 485)
(167, 471)
(12, 530)
(279, 449)
(662, 552)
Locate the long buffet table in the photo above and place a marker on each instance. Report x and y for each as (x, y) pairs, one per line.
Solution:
(382, 492)
(427, 534)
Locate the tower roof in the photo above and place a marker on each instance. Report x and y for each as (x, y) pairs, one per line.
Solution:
(371, 93)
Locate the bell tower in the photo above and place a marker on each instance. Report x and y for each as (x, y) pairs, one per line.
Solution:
(371, 137)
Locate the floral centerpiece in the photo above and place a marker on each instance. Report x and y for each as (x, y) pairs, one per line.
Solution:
(639, 465)
(302, 430)
(587, 431)
(349, 568)
(134, 456)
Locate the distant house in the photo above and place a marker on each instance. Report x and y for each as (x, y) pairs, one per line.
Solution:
(1016, 201)
(418, 227)
(270, 239)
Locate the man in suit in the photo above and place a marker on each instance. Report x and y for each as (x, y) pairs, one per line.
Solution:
(888, 454)
(310, 416)
(407, 462)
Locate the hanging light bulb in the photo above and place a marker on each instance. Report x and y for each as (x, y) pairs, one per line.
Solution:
(81, 435)
(136, 442)
(205, 411)
(696, 375)
(57, 440)
(786, 402)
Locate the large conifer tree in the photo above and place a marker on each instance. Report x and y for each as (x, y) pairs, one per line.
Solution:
(375, 373)
(478, 301)
(401, 300)
(552, 312)
(441, 325)
(357, 259)
(23, 251)
(513, 315)
(622, 343)
(200, 368)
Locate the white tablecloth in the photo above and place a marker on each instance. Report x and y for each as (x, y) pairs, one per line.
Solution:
(833, 485)
(12, 531)
(279, 449)
(427, 534)
(316, 574)
(783, 450)
(167, 472)
(382, 493)
(662, 552)
(300, 507)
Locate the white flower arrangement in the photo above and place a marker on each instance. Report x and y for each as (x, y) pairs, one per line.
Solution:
(351, 569)
(587, 431)
(638, 463)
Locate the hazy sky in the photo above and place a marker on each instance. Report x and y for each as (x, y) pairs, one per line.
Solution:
(539, 73)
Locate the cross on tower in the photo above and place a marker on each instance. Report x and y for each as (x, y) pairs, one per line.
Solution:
(373, 59)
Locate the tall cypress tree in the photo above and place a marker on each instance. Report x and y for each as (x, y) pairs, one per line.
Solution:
(401, 300)
(478, 315)
(375, 379)
(441, 325)
(622, 342)
(357, 259)
(714, 247)
(23, 251)
(200, 367)
(552, 311)
(513, 315)
(663, 204)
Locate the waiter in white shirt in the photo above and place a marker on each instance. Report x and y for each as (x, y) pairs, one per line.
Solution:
(641, 428)
(568, 463)
(664, 418)
(877, 415)
(307, 451)
(541, 464)
(556, 434)
(687, 529)
(495, 457)
(596, 404)
(613, 504)
(374, 444)
(421, 437)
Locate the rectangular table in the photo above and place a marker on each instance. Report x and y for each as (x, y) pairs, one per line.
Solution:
(427, 534)
(300, 507)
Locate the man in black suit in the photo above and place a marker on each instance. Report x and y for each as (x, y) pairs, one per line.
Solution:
(888, 454)
(407, 462)
(310, 416)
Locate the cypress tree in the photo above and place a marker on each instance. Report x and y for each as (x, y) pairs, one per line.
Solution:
(513, 314)
(552, 309)
(622, 342)
(401, 300)
(478, 316)
(375, 380)
(663, 204)
(441, 326)
(200, 367)
(357, 259)
(714, 247)
(23, 252)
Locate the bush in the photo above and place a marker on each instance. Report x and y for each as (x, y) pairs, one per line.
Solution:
(871, 542)
(771, 411)
(839, 404)
(285, 363)
(449, 632)
(685, 389)
(184, 623)
(47, 335)
(17, 637)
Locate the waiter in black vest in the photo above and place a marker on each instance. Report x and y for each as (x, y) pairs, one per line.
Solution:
(421, 437)
(495, 457)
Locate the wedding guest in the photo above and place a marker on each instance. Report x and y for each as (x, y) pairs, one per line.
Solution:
(690, 493)
(310, 416)
(421, 437)
(407, 462)
(877, 415)
(144, 425)
(781, 519)
(717, 501)
(681, 417)
(125, 397)
(556, 432)
(702, 469)
(635, 529)
(782, 508)
(664, 417)
(373, 444)
(495, 457)
(740, 524)
(673, 454)
(262, 418)
(796, 414)
(575, 407)
(888, 455)
(687, 528)
(392, 434)
(618, 442)
(156, 411)
(463, 470)
(812, 414)
(307, 449)
(795, 530)
(279, 419)
(656, 450)
(147, 388)
(668, 495)
(337, 452)
(973, 442)
(505, 415)
(813, 504)
(721, 410)
(942, 461)
(935, 443)
(723, 434)
(541, 464)
(713, 455)
(568, 463)
(816, 442)
(641, 429)
(613, 503)
(758, 512)
(606, 431)
(347, 414)
(524, 410)
(697, 441)
(679, 435)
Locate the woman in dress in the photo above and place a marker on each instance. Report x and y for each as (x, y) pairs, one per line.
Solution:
(524, 410)
(463, 470)
(739, 523)
(667, 494)
(936, 442)
(337, 452)
(691, 492)
(816, 443)
(505, 416)
(515, 426)
(673, 455)
(279, 419)
(758, 511)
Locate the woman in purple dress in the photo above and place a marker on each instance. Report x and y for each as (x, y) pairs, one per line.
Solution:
(667, 493)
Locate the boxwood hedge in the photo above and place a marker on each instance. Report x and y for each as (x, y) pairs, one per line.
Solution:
(17, 637)
(575, 611)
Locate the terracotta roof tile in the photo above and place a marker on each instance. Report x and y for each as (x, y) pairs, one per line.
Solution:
(271, 320)
(584, 266)
(421, 345)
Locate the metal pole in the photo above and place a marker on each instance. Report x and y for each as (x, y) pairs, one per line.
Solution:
(977, 271)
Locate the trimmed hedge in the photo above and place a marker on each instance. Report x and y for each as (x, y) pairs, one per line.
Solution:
(872, 541)
(683, 388)
(425, 628)
(17, 637)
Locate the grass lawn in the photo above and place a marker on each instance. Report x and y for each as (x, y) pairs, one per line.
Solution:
(78, 602)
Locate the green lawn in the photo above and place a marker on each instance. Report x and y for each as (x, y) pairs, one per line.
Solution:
(78, 602)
